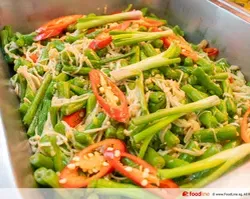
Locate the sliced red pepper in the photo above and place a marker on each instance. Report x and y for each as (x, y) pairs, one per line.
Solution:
(245, 134)
(117, 111)
(231, 80)
(186, 49)
(34, 57)
(59, 23)
(211, 52)
(55, 26)
(48, 34)
(101, 41)
(150, 22)
(145, 175)
(90, 161)
(91, 30)
(134, 174)
(166, 42)
(155, 29)
(122, 26)
(168, 184)
(75, 118)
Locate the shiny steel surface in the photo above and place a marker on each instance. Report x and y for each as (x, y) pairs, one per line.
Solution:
(199, 18)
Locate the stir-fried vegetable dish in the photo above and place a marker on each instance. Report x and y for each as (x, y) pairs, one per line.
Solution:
(123, 100)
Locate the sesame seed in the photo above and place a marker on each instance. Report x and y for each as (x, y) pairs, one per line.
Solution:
(63, 181)
(90, 155)
(101, 89)
(148, 81)
(110, 149)
(90, 171)
(144, 182)
(38, 137)
(76, 158)
(77, 164)
(81, 114)
(145, 175)
(96, 153)
(85, 157)
(248, 124)
(129, 169)
(236, 117)
(146, 170)
(95, 170)
(117, 153)
(105, 164)
(126, 132)
(116, 98)
(71, 166)
(108, 123)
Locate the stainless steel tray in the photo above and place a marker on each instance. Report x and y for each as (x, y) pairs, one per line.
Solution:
(224, 28)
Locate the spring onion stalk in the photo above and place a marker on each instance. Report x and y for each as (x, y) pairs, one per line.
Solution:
(144, 146)
(216, 174)
(94, 21)
(184, 109)
(153, 129)
(140, 85)
(129, 38)
(225, 158)
(166, 58)
(109, 188)
(111, 59)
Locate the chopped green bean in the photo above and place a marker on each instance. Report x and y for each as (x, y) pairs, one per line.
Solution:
(153, 158)
(38, 98)
(192, 146)
(171, 139)
(171, 162)
(225, 133)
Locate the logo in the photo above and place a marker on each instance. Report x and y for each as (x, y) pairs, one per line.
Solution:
(195, 193)
(184, 193)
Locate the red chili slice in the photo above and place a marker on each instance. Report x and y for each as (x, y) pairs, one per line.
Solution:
(149, 22)
(118, 112)
(75, 118)
(211, 52)
(133, 173)
(101, 41)
(47, 34)
(34, 57)
(122, 26)
(92, 162)
(55, 26)
(91, 30)
(144, 176)
(168, 184)
(231, 80)
(186, 50)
